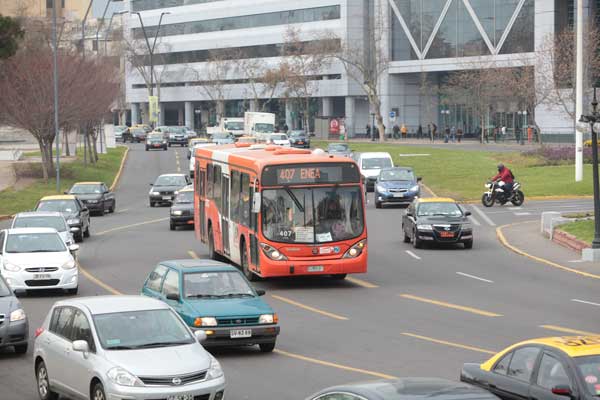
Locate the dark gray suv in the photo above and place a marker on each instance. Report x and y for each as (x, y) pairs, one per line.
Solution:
(14, 327)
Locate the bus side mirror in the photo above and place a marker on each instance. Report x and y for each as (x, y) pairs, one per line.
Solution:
(256, 203)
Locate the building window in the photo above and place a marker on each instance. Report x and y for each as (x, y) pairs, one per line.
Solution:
(243, 22)
(142, 5)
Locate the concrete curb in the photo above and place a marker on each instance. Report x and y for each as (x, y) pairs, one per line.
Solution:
(502, 239)
(569, 241)
(120, 172)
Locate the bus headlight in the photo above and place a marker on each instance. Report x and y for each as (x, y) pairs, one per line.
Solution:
(272, 252)
(356, 250)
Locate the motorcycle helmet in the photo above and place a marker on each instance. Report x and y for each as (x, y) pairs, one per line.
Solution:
(500, 167)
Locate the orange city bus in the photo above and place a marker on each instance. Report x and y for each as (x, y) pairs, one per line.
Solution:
(281, 211)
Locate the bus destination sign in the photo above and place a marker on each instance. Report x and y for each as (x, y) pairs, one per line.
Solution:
(310, 173)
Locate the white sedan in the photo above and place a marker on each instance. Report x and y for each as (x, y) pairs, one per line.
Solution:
(279, 139)
(38, 258)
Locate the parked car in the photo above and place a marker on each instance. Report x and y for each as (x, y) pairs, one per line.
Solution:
(122, 347)
(156, 141)
(299, 139)
(217, 298)
(405, 389)
(397, 185)
(14, 326)
(96, 196)
(74, 210)
(164, 188)
(37, 258)
(279, 139)
(437, 220)
(44, 219)
(371, 164)
(182, 209)
(339, 149)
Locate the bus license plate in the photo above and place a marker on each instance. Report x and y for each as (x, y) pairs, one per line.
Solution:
(315, 268)
(41, 276)
(181, 397)
(240, 333)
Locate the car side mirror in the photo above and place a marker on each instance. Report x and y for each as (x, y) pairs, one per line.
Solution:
(419, 179)
(562, 390)
(200, 335)
(409, 214)
(260, 292)
(81, 346)
(467, 213)
(84, 209)
(73, 248)
(173, 296)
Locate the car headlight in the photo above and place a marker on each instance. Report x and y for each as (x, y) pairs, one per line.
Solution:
(69, 265)
(164, 142)
(73, 221)
(424, 227)
(214, 371)
(177, 212)
(153, 193)
(205, 321)
(356, 250)
(11, 267)
(381, 188)
(415, 188)
(272, 252)
(123, 378)
(268, 319)
(17, 315)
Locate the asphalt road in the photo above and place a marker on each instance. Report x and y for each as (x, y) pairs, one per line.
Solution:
(415, 313)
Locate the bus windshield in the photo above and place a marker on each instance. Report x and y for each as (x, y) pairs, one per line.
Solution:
(318, 215)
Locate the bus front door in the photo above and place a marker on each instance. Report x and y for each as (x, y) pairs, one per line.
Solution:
(225, 214)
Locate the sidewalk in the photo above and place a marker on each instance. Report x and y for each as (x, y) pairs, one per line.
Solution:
(527, 238)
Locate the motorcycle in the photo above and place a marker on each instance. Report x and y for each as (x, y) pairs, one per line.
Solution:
(495, 194)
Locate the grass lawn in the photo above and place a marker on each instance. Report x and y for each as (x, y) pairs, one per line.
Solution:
(461, 174)
(13, 201)
(583, 230)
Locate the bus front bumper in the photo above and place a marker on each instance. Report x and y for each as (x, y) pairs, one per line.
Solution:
(270, 268)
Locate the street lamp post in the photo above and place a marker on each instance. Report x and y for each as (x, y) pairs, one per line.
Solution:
(524, 126)
(55, 73)
(373, 126)
(107, 31)
(151, 48)
(592, 119)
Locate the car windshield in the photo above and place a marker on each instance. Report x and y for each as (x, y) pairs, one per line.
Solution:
(298, 134)
(56, 222)
(156, 136)
(85, 188)
(264, 128)
(396, 175)
(442, 209)
(216, 284)
(170, 180)
(589, 366)
(279, 137)
(234, 126)
(120, 128)
(66, 206)
(138, 132)
(312, 215)
(221, 136)
(376, 163)
(4, 289)
(34, 243)
(185, 197)
(338, 147)
(141, 330)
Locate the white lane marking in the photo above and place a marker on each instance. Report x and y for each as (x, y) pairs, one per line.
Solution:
(483, 216)
(413, 255)
(585, 302)
(475, 277)
(474, 220)
(515, 208)
(576, 261)
(520, 214)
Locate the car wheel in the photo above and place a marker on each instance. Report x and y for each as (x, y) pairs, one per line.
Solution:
(251, 276)
(73, 291)
(469, 244)
(267, 347)
(78, 237)
(147, 149)
(43, 383)
(165, 148)
(112, 207)
(21, 349)
(172, 226)
(98, 392)
(87, 231)
(378, 204)
(417, 243)
(151, 204)
(406, 237)
(211, 245)
(169, 145)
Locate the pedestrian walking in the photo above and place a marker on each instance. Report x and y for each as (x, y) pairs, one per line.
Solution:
(433, 132)
(368, 130)
(285, 128)
(396, 130)
(446, 135)
(459, 134)
(503, 133)
(429, 132)
(404, 131)
(453, 134)
(419, 132)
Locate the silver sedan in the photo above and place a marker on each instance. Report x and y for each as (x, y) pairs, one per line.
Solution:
(122, 347)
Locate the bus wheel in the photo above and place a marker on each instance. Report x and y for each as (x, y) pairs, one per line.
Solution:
(251, 276)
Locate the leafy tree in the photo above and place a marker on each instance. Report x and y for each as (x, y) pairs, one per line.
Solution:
(11, 33)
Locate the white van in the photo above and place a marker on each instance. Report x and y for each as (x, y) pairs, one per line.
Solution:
(370, 165)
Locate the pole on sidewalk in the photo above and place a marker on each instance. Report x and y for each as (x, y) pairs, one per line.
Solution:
(592, 119)
(579, 94)
(55, 67)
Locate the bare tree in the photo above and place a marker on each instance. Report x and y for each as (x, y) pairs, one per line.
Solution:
(136, 54)
(262, 82)
(212, 78)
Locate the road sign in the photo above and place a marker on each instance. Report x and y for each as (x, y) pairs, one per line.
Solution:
(392, 115)
(153, 108)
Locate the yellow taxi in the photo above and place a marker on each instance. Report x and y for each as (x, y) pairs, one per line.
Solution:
(552, 368)
(588, 143)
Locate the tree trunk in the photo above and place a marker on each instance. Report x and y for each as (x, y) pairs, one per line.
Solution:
(66, 142)
(89, 147)
(95, 148)
(483, 129)
(45, 166)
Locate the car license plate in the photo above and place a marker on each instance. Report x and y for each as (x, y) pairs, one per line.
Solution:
(398, 194)
(41, 276)
(447, 234)
(240, 333)
(315, 268)
(300, 142)
(157, 145)
(181, 397)
(166, 197)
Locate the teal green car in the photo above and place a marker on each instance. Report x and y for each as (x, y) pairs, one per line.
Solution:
(217, 298)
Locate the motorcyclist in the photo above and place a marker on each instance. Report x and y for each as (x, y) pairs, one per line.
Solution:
(505, 175)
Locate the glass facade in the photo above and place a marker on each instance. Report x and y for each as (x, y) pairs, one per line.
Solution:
(142, 5)
(244, 22)
(458, 35)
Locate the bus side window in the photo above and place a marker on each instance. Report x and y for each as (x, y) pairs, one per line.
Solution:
(209, 181)
(217, 186)
(235, 196)
(244, 210)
